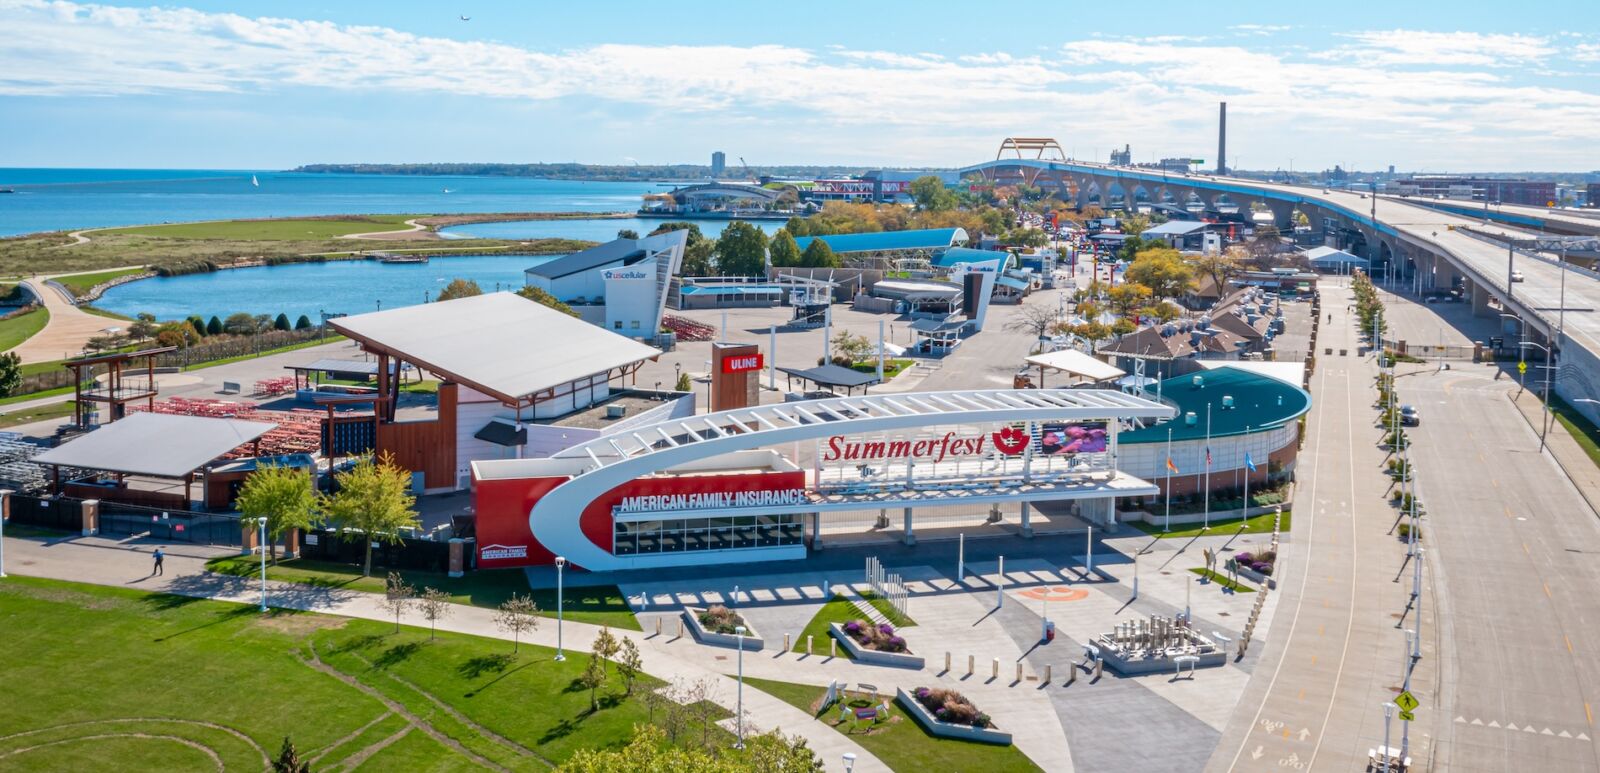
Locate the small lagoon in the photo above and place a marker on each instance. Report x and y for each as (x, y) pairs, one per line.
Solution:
(342, 286)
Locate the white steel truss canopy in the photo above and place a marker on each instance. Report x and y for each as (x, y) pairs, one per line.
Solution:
(618, 458)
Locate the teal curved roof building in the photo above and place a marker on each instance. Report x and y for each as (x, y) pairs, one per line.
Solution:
(1240, 402)
(890, 241)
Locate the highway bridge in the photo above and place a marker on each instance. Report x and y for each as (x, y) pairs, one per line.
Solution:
(1429, 248)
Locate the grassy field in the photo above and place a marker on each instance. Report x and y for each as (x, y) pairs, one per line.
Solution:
(22, 327)
(891, 367)
(268, 230)
(59, 410)
(900, 742)
(598, 604)
(159, 682)
(1579, 426)
(1222, 579)
(80, 284)
(1255, 524)
(887, 610)
(837, 610)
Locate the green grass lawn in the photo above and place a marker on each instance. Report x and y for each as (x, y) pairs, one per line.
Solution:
(837, 610)
(269, 230)
(597, 604)
(1223, 580)
(80, 284)
(891, 367)
(887, 610)
(159, 682)
(1579, 426)
(1255, 524)
(901, 743)
(99, 312)
(18, 418)
(22, 327)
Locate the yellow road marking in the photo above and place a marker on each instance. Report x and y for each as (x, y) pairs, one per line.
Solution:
(1525, 548)
(1569, 642)
(1508, 511)
(1588, 713)
(1302, 696)
(1320, 629)
(1495, 481)
(1313, 660)
(1480, 458)
(1547, 591)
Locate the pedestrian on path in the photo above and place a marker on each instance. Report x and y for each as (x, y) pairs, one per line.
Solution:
(159, 556)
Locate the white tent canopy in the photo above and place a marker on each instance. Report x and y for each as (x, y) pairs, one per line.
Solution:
(1076, 363)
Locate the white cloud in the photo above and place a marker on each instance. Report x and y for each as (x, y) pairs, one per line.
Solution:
(1391, 93)
(1260, 29)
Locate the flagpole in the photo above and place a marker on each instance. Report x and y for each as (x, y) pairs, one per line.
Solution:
(1168, 526)
(1245, 513)
(1206, 522)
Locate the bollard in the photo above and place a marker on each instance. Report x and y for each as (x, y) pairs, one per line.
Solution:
(658, 626)
(994, 668)
(947, 661)
(1072, 675)
(786, 642)
(833, 648)
(971, 660)
(1099, 667)
(1019, 672)
(1047, 673)
(808, 644)
(680, 628)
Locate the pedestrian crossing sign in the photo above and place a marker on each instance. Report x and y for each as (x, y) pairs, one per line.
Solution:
(1406, 716)
(1406, 701)
(1522, 367)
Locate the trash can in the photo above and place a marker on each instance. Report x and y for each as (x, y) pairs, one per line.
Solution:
(1049, 630)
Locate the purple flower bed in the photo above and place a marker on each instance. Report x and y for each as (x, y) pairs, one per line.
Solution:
(951, 706)
(881, 637)
(1261, 563)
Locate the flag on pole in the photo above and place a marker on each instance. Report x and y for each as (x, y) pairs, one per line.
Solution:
(1171, 466)
(1249, 464)
(1208, 456)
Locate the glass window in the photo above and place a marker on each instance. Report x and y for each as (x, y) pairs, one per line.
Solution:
(719, 539)
(694, 539)
(792, 534)
(695, 523)
(649, 541)
(626, 545)
(634, 324)
(716, 523)
(744, 536)
(671, 541)
(617, 324)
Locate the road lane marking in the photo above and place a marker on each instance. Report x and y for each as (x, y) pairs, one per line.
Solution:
(1569, 642)
(1495, 481)
(1547, 591)
(1525, 548)
(1588, 713)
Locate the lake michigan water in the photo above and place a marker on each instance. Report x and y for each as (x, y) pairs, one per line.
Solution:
(71, 199)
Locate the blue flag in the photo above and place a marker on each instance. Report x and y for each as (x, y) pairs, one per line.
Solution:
(1247, 463)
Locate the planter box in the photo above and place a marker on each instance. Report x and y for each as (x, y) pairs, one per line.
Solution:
(860, 653)
(752, 640)
(944, 729)
(1257, 577)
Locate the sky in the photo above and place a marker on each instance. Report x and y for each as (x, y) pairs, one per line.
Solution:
(1470, 85)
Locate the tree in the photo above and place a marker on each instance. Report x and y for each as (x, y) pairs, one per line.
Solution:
(199, 326)
(742, 250)
(143, 326)
(606, 644)
(434, 604)
(819, 255)
(214, 327)
(593, 678)
(283, 496)
(695, 235)
(288, 760)
(176, 334)
(1127, 297)
(282, 322)
(1133, 245)
(1162, 270)
(303, 323)
(1123, 327)
(397, 597)
(697, 259)
(1133, 224)
(851, 348)
(10, 373)
(628, 233)
(540, 296)
(1264, 245)
(518, 615)
(783, 250)
(682, 384)
(797, 226)
(629, 663)
(459, 288)
(373, 502)
(263, 323)
(239, 324)
(1220, 268)
(1035, 320)
(930, 194)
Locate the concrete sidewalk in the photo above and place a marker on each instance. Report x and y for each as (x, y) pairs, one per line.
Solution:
(1574, 461)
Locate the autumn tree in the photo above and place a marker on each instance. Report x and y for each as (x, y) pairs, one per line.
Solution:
(283, 496)
(518, 615)
(930, 193)
(819, 255)
(540, 296)
(783, 250)
(459, 288)
(373, 503)
(1162, 270)
(1128, 296)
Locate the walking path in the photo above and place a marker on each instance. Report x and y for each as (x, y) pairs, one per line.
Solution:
(67, 331)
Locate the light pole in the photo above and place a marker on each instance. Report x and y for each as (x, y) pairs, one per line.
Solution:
(5, 497)
(1544, 423)
(849, 762)
(739, 631)
(561, 566)
(261, 545)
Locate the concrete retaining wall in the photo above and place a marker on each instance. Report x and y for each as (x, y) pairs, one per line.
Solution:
(947, 729)
(752, 640)
(1157, 665)
(897, 659)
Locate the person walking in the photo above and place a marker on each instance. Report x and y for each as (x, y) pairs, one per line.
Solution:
(160, 557)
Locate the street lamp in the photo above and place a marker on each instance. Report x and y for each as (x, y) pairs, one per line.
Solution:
(261, 545)
(739, 631)
(849, 761)
(561, 565)
(1544, 424)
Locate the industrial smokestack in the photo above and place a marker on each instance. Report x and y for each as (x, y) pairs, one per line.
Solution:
(1222, 138)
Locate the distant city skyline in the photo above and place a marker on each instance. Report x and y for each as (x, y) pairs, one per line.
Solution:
(1426, 87)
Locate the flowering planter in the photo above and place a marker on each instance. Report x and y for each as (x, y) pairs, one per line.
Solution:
(943, 729)
(752, 640)
(876, 657)
(1257, 577)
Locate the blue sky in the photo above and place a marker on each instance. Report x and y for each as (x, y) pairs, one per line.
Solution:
(1425, 86)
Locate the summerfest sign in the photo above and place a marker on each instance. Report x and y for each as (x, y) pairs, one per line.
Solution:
(1007, 440)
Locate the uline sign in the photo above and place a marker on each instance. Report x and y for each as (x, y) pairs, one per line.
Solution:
(1007, 440)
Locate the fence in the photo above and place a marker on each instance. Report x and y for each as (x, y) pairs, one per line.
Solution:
(347, 548)
(1431, 351)
(889, 587)
(47, 513)
(172, 525)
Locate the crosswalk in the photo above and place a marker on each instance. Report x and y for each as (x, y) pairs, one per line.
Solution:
(1512, 727)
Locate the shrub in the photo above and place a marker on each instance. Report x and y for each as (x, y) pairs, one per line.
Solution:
(951, 706)
(1263, 568)
(720, 619)
(880, 638)
(1244, 558)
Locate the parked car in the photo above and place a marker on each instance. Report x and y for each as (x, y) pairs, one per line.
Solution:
(1516, 276)
(1409, 417)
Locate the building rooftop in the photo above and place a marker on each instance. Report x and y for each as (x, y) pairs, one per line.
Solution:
(500, 344)
(956, 255)
(162, 445)
(1174, 228)
(922, 239)
(1259, 402)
